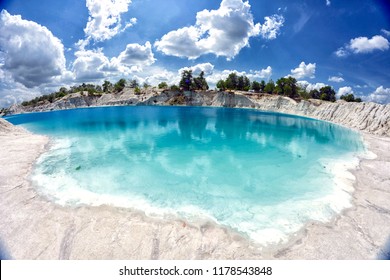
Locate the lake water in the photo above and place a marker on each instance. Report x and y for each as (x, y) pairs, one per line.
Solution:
(261, 174)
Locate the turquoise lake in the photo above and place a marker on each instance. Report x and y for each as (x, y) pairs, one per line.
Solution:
(261, 174)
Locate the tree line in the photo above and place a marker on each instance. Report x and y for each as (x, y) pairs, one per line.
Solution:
(286, 86)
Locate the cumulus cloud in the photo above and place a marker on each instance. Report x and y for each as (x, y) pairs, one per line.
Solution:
(380, 95)
(344, 91)
(89, 64)
(223, 32)
(271, 26)
(136, 54)
(309, 86)
(104, 20)
(95, 65)
(207, 68)
(304, 70)
(261, 74)
(31, 54)
(336, 79)
(364, 45)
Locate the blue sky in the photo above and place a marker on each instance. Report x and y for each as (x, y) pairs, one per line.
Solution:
(47, 44)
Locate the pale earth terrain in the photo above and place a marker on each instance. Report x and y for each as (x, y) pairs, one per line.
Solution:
(32, 227)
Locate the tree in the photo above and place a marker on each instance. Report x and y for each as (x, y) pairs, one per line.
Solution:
(200, 82)
(262, 86)
(350, 98)
(162, 85)
(287, 87)
(315, 94)
(146, 85)
(134, 83)
(247, 83)
(327, 93)
(137, 91)
(288, 91)
(120, 85)
(175, 88)
(186, 80)
(256, 86)
(107, 86)
(240, 83)
(221, 85)
(269, 87)
(63, 90)
(232, 81)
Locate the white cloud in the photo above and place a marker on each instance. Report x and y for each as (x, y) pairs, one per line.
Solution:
(386, 32)
(261, 74)
(328, 3)
(380, 95)
(270, 28)
(92, 65)
(223, 32)
(207, 68)
(341, 52)
(336, 79)
(309, 86)
(364, 45)
(104, 20)
(89, 64)
(304, 70)
(155, 75)
(30, 53)
(344, 91)
(136, 54)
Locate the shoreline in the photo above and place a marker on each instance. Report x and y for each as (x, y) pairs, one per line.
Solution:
(106, 232)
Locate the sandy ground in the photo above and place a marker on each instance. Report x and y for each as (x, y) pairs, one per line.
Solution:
(31, 227)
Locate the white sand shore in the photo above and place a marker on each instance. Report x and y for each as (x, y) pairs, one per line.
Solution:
(31, 227)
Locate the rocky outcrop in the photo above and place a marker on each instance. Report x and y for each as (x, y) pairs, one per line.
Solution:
(8, 128)
(369, 117)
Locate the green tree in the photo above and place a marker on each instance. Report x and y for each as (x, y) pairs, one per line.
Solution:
(137, 91)
(146, 85)
(247, 83)
(162, 85)
(232, 81)
(287, 87)
(262, 86)
(120, 85)
(221, 85)
(186, 81)
(350, 98)
(175, 88)
(134, 83)
(256, 86)
(240, 83)
(314, 93)
(269, 87)
(327, 93)
(200, 82)
(107, 86)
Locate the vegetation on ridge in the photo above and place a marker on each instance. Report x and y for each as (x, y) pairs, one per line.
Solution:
(285, 86)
